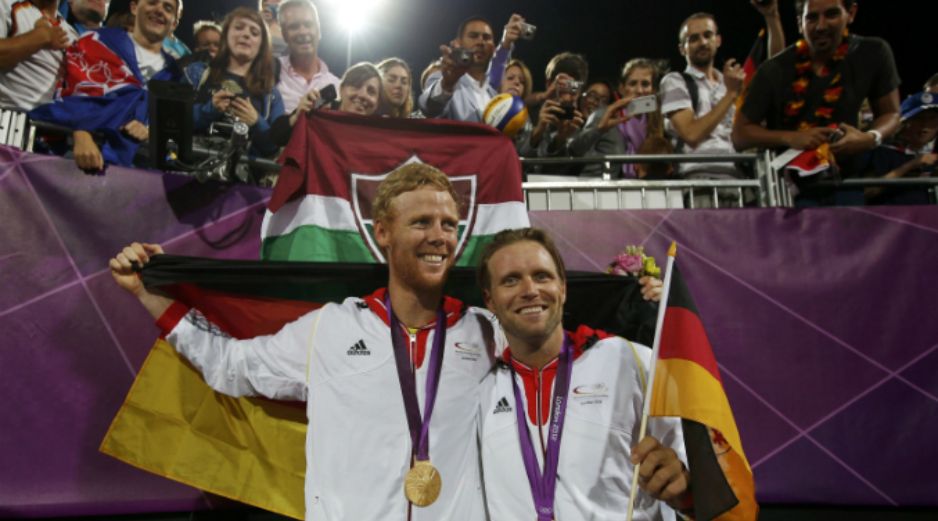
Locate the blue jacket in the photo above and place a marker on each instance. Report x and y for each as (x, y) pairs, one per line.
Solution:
(104, 115)
(269, 107)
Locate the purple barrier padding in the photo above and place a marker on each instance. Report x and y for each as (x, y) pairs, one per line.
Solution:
(72, 341)
(820, 320)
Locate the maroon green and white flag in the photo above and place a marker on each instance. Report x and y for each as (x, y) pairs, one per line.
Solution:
(321, 207)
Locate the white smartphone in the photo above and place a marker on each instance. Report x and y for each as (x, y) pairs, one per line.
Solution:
(642, 105)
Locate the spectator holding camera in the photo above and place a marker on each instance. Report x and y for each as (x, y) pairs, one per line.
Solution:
(618, 129)
(301, 70)
(558, 119)
(238, 84)
(461, 89)
(398, 92)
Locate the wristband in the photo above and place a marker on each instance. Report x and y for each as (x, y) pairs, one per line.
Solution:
(877, 137)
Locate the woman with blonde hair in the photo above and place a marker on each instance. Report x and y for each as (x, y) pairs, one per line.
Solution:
(398, 91)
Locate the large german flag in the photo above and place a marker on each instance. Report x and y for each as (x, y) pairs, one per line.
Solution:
(687, 384)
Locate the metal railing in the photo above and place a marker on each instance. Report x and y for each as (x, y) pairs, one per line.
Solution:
(546, 192)
(558, 192)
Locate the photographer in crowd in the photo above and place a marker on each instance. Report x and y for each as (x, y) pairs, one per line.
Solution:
(238, 84)
(558, 119)
(461, 89)
(616, 129)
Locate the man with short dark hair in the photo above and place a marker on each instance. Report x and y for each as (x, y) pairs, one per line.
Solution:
(371, 369)
(461, 90)
(699, 103)
(302, 71)
(33, 36)
(567, 402)
(810, 95)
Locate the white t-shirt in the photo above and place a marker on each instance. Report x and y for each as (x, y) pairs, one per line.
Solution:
(31, 82)
(149, 62)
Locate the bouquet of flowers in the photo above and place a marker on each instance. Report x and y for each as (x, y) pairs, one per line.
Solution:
(633, 261)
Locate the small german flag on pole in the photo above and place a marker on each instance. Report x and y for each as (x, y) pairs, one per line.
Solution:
(685, 382)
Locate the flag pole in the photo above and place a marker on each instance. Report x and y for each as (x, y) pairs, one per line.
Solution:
(649, 385)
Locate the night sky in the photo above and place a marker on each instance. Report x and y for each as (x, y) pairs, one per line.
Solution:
(607, 32)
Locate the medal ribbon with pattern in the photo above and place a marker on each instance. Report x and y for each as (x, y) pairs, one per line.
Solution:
(422, 484)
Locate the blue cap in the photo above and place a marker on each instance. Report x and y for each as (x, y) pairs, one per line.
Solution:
(916, 103)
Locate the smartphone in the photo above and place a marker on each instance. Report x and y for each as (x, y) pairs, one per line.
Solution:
(642, 105)
(327, 94)
(836, 136)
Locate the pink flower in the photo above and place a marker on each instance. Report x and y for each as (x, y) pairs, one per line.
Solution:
(630, 263)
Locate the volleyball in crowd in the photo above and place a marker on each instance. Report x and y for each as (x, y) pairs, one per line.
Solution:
(506, 113)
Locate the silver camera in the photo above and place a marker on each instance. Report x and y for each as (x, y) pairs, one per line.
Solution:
(527, 31)
(461, 57)
(569, 87)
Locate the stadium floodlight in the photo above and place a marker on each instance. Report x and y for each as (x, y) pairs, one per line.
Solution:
(353, 17)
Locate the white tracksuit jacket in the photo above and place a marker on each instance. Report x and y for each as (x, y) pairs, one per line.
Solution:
(604, 409)
(358, 447)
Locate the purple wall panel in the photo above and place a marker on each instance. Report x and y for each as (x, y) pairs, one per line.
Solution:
(817, 318)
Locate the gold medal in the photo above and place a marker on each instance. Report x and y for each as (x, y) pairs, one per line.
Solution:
(422, 484)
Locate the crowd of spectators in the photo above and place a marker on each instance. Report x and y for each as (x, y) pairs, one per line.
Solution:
(261, 67)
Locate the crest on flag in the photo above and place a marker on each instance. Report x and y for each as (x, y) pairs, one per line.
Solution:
(364, 187)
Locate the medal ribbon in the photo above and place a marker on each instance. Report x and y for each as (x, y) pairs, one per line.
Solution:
(544, 484)
(419, 430)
